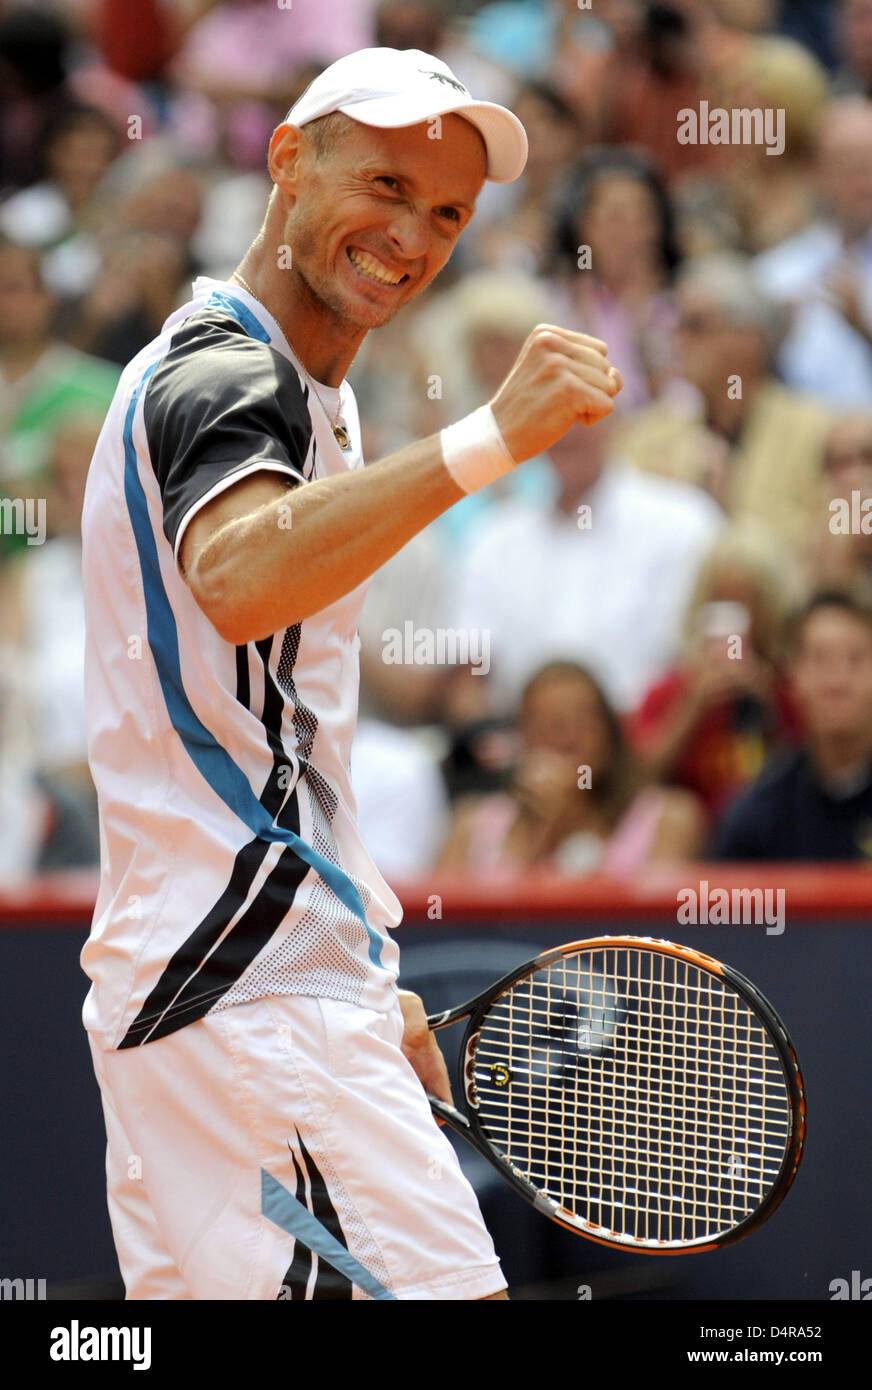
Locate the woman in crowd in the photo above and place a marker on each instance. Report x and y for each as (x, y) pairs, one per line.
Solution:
(577, 802)
(614, 255)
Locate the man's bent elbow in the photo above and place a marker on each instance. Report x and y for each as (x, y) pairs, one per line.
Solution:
(232, 614)
(239, 627)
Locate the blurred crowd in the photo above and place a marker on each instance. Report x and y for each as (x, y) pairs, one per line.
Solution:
(659, 635)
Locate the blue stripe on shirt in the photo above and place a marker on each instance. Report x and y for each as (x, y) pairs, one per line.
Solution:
(223, 775)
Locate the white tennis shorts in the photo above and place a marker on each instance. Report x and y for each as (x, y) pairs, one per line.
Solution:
(285, 1149)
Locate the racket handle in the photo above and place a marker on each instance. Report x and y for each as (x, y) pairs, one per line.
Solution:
(447, 1115)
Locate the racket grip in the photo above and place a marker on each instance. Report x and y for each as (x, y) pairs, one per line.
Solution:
(446, 1114)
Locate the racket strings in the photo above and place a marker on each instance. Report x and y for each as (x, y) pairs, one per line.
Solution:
(638, 1091)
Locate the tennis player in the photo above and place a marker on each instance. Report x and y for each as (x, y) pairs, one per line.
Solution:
(261, 1075)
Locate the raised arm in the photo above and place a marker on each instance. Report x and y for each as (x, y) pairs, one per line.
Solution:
(263, 554)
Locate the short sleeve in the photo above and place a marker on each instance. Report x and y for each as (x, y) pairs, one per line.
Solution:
(221, 406)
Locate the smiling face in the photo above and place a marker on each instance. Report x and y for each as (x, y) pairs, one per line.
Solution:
(373, 217)
(562, 713)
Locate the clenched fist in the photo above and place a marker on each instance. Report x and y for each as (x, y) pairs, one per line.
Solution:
(560, 378)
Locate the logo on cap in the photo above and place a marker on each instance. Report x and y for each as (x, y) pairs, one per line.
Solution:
(440, 77)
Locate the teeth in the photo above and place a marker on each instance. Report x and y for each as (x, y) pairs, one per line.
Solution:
(369, 266)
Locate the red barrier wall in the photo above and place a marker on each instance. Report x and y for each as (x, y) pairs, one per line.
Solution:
(836, 893)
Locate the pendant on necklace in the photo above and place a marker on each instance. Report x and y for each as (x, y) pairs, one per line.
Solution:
(341, 435)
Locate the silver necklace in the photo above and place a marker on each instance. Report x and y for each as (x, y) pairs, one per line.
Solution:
(340, 433)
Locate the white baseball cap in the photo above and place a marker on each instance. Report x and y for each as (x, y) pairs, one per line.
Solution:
(391, 87)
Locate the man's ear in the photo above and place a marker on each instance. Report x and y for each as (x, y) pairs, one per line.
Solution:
(286, 148)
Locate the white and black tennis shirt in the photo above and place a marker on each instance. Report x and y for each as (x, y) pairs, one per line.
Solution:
(231, 863)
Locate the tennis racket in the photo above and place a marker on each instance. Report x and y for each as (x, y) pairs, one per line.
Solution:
(635, 1091)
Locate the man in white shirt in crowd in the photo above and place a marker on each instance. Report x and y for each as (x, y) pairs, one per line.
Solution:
(601, 575)
(824, 272)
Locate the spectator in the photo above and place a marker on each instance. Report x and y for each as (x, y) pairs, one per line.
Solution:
(42, 380)
(672, 65)
(135, 292)
(753, 198)
(709, 723)
(615, 254)
(774, 195)
(754, 444)
(855, 32)
(841, 556)
(588, 49)
(237, 63)
(34, 51)
(816, 804)
(235, 195)
(577, 802)
(602, 574)
(824, 272)
(148, 257)
(56, 215)
(160, 193)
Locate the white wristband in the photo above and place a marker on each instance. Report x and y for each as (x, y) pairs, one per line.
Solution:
(474, 450)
